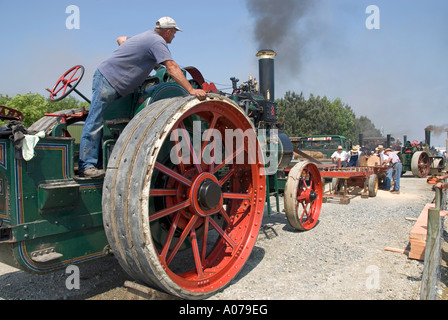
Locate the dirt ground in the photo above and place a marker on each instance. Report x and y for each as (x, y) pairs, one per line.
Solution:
(342, 258)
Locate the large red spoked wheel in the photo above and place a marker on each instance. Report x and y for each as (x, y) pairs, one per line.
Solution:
(67, 83)
(303, 196)
(176, 220)
(420, 164)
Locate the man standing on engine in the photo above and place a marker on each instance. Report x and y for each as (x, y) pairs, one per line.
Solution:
(120, 75)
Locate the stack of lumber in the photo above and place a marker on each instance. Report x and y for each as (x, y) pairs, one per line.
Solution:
(417, 237)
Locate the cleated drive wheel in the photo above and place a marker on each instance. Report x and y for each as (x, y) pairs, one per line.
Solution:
(303, 196)
(177, 221)
(420, 164)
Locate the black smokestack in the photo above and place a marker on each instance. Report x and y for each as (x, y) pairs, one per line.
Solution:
(428, 137)
(266, 73)
(276, 26)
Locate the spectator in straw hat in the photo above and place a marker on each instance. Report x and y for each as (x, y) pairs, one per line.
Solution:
(354, 156)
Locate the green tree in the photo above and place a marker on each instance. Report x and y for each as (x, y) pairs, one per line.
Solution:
(320, 116)
(4, 100)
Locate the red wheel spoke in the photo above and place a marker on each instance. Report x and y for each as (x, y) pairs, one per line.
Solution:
(65, 89)
(212, 158)
(186, 136)
(173, 174)
(209, 132)
(226, 177)
(179, 159)
(303, 212)
(205, 238)
(55, 93)
(225, 216)
(70, 81)
(169, 210)
(182, 238)
(223, 234)
(169, 237)
(197, 256)
(241, 196)
(230, 158)
(305, 186)
(73, 74)
(162, 192)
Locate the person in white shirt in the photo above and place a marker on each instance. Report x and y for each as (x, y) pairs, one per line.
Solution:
(340, 156)
(383, 157)
(395, 170)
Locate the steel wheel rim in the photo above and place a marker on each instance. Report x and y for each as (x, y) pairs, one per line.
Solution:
(231, 219)
(309, 196)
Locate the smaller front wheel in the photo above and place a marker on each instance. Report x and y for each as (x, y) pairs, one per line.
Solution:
(303, 196)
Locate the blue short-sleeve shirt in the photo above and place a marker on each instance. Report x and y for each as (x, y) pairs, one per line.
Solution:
(133, 61)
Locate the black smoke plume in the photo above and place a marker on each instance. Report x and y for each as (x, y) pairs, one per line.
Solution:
(277, 27)
(437, 130)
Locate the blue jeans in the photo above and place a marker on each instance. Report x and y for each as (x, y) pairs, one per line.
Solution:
(103, 94)
(395, 171)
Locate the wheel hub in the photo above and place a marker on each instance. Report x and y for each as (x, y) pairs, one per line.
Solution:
(206, 195)
(312, 196)
(209, 194)
(308, 195)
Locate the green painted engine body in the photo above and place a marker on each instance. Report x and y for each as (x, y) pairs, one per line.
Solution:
(50, 217)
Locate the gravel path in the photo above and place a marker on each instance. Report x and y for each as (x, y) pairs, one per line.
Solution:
(343, 257)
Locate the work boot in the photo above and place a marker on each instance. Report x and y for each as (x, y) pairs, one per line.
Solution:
(93, 173)
(395, 191)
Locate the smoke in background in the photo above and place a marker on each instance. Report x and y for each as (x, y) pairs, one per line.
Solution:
(277, 27)
(437, 130)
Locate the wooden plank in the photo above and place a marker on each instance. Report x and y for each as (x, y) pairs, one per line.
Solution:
(137, 291)
(419, 229)
(404, 251)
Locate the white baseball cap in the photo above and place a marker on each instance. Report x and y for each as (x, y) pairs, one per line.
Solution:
(167, 23)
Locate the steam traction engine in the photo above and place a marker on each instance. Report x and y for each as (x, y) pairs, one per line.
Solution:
(185, 188)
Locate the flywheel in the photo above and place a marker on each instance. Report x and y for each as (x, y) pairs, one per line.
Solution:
(420, 164)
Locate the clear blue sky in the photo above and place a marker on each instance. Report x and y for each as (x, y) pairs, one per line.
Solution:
(396, 76)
